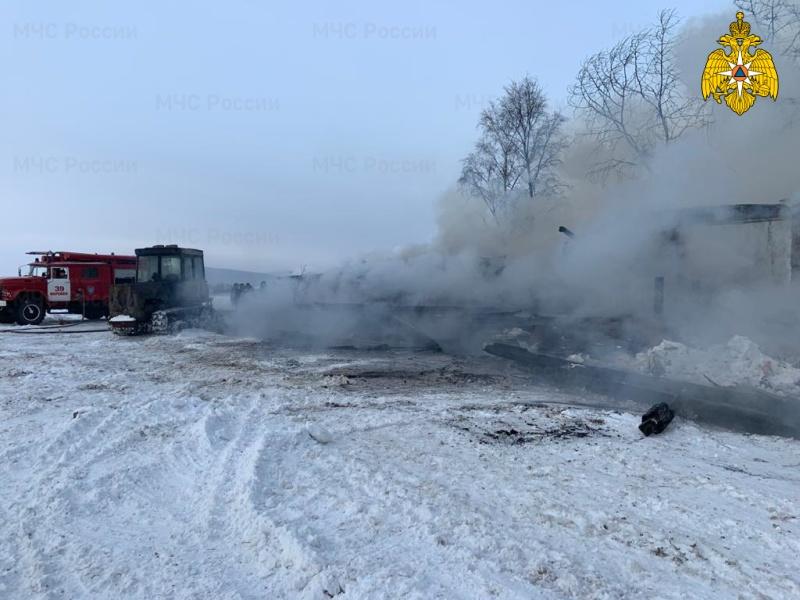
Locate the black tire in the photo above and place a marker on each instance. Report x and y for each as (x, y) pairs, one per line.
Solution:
(30, 312)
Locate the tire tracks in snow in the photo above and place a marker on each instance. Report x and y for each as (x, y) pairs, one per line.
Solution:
(243, 546)
(37, 552)
(63, 467)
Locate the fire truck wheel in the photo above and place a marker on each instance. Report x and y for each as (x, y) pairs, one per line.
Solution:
(30, 312)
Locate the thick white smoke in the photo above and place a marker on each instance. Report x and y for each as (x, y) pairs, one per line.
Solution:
(621, 229)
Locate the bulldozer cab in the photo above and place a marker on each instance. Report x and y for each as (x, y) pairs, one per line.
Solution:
(168, 278)
(169, 264)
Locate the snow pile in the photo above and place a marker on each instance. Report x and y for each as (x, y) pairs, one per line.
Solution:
(739, 362)
(318, 433)
(578, 359)
(122, 319)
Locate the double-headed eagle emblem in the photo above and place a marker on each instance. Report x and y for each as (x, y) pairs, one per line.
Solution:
(741, 75)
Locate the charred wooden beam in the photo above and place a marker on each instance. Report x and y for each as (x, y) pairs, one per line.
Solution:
(733, 214)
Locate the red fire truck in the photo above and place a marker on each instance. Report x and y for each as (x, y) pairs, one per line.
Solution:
(76, 282)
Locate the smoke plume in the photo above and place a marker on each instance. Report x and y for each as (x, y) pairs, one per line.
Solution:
(719, 281)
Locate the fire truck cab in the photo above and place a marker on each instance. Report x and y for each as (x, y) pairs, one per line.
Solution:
(75, 282)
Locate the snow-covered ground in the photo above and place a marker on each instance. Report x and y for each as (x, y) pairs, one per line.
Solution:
(183, 467)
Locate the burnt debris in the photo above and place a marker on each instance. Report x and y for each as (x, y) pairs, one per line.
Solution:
(657, 419)
(737, 408)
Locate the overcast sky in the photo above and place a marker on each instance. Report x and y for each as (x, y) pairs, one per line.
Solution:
(271, 134)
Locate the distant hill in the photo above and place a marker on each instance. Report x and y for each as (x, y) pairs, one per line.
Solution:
(216, 276)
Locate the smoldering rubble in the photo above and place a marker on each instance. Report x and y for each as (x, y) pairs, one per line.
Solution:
(699, 246)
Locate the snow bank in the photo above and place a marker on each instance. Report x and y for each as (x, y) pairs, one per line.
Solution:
(739, 362)
(122, 319)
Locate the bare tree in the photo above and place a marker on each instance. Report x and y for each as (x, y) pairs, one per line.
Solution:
(632, 98)
(547, 147)
(492, 170)
(773, 15)
(659, 84)
(520, 142)
(497, 138)
(778, 21)
(489, 173)
(535, 132)
(603, 94)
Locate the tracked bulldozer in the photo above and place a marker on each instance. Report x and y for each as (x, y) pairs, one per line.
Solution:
(170, 292)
